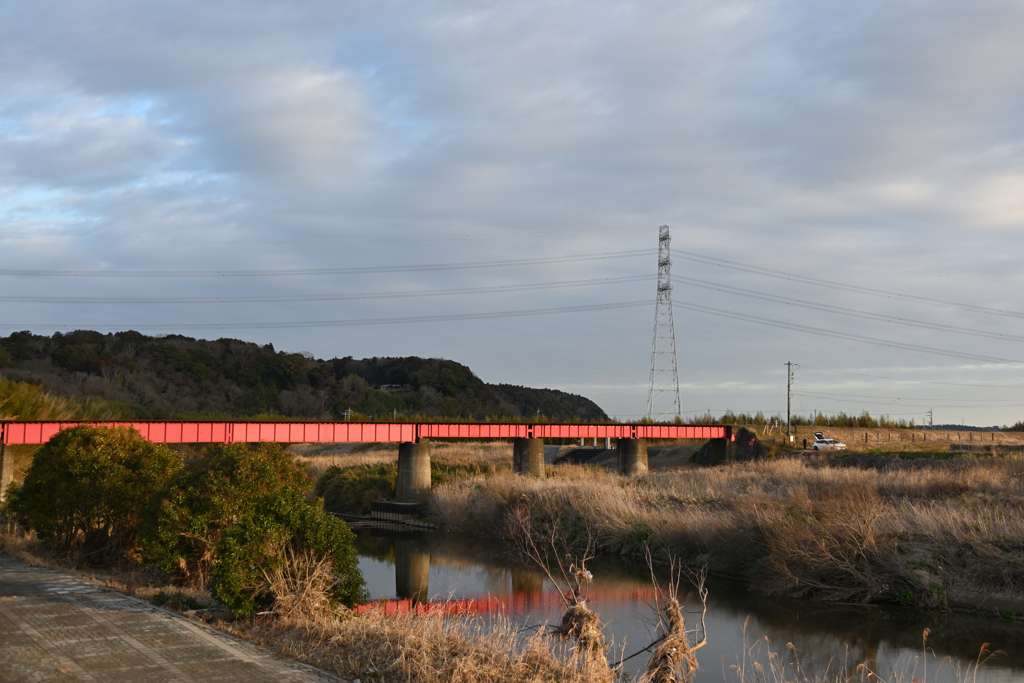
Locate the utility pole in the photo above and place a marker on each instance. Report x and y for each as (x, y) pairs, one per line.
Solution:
(931, 421)
(789, 388)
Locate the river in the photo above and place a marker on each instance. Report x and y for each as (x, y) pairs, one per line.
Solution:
(421, 567)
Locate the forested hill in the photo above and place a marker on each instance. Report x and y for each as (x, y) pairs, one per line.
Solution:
(176, 376)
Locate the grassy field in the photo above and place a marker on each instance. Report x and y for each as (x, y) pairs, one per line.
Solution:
(893, 440)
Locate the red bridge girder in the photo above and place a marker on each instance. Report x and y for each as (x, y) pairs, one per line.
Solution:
(15, 433)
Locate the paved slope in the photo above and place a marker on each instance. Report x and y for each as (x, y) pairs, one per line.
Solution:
(55, 627)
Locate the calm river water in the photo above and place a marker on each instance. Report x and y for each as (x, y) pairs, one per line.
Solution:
(423, 567)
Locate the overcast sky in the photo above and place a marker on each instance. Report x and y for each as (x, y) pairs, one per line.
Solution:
(873, 145)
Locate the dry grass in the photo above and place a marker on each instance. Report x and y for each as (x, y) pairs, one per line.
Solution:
(17, 544)
(428, 648)
(926, 532)
(318, 457)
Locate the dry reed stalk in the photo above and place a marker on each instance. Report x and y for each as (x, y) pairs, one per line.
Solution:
(673, 659)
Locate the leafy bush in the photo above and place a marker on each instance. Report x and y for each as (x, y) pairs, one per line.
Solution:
(87, 486)
(180, 531)
(278, 526)
(236, 517)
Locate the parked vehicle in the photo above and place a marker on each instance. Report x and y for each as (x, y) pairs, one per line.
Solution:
(823, 444)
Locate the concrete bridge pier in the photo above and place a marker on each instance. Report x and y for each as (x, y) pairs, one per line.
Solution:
(632, 456)
(412, 571)
(528, 457)
(6, 469)
(413, 482)
(524, 581)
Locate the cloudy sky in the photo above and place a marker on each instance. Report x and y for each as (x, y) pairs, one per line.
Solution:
(844, 183)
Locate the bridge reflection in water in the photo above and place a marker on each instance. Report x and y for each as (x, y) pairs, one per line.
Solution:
(507, 587)
(415, 574)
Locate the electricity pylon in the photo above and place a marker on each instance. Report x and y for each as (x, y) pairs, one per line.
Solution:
(663, 395)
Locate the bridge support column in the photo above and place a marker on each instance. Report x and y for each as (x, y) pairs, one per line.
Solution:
(6, 469)
(528, 457)
(527, 582)
(632, 456)
(722, 449)
(412, 571)
(413, 483)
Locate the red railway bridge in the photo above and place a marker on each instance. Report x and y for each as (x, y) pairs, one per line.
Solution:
(413, 438)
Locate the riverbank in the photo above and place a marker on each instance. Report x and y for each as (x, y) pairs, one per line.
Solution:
(429, 648)
(926, 532)
(377, 646)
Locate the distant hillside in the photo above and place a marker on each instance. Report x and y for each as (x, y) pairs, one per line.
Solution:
(176, 376)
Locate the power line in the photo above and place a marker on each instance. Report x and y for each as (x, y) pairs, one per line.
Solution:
(914, 381)
(340, 297)
(845, 335)
(352, 322)
(921, 406)
(286, 272)
(829, 308)
(903, 265)
(815, 394)
(781, 275)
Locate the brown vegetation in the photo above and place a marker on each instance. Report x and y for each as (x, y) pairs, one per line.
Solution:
(922, 531)
(425, 649)
(318, 457)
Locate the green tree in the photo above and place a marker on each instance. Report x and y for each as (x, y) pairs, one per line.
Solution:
(87, 487)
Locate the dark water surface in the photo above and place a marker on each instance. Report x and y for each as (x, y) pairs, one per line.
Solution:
(425, 567)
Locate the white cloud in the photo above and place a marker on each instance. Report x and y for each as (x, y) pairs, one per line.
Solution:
(268, 134)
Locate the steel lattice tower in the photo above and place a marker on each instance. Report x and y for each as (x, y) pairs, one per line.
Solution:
(663, 396)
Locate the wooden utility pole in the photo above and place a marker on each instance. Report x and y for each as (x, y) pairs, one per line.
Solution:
(789, 387)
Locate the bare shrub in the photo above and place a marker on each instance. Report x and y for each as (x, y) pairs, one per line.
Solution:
(827, 543)
(562, 551)
(302, 583)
